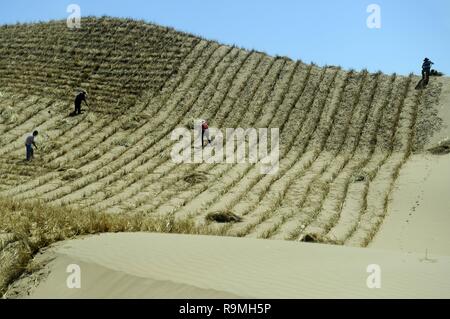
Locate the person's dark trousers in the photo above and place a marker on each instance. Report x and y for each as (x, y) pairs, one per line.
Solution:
(77, 109)
(426, 75)
(29, 152)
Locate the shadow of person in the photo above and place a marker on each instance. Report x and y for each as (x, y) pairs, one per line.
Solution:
(421, 84)
(73, 113)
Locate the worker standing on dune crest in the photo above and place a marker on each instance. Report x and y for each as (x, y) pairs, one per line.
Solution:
(82, 96)
(426, 69)
(29, 143)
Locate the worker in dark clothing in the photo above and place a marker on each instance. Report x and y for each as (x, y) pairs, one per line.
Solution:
(29, 143)
(426, 69)
(82, 96)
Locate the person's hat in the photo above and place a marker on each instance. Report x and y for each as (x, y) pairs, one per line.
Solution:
(426, 59)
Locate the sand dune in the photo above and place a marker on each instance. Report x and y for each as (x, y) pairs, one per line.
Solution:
(185, 266)
(419, 216)
(354, 168)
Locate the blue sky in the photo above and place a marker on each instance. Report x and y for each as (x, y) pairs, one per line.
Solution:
(321, 31)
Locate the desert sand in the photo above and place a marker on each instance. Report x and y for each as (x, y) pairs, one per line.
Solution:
(143, 265)
(419, 215)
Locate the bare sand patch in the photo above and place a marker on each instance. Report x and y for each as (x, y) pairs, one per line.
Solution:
(146, 265)
(419, 216)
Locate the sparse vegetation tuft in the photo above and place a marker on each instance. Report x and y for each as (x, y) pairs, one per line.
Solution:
(441, 149)
(223, 217)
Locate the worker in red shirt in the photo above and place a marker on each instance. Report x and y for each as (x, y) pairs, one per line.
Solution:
(205, 132)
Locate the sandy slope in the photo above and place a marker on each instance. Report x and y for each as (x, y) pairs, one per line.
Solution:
(185, 266)
(419, 214)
